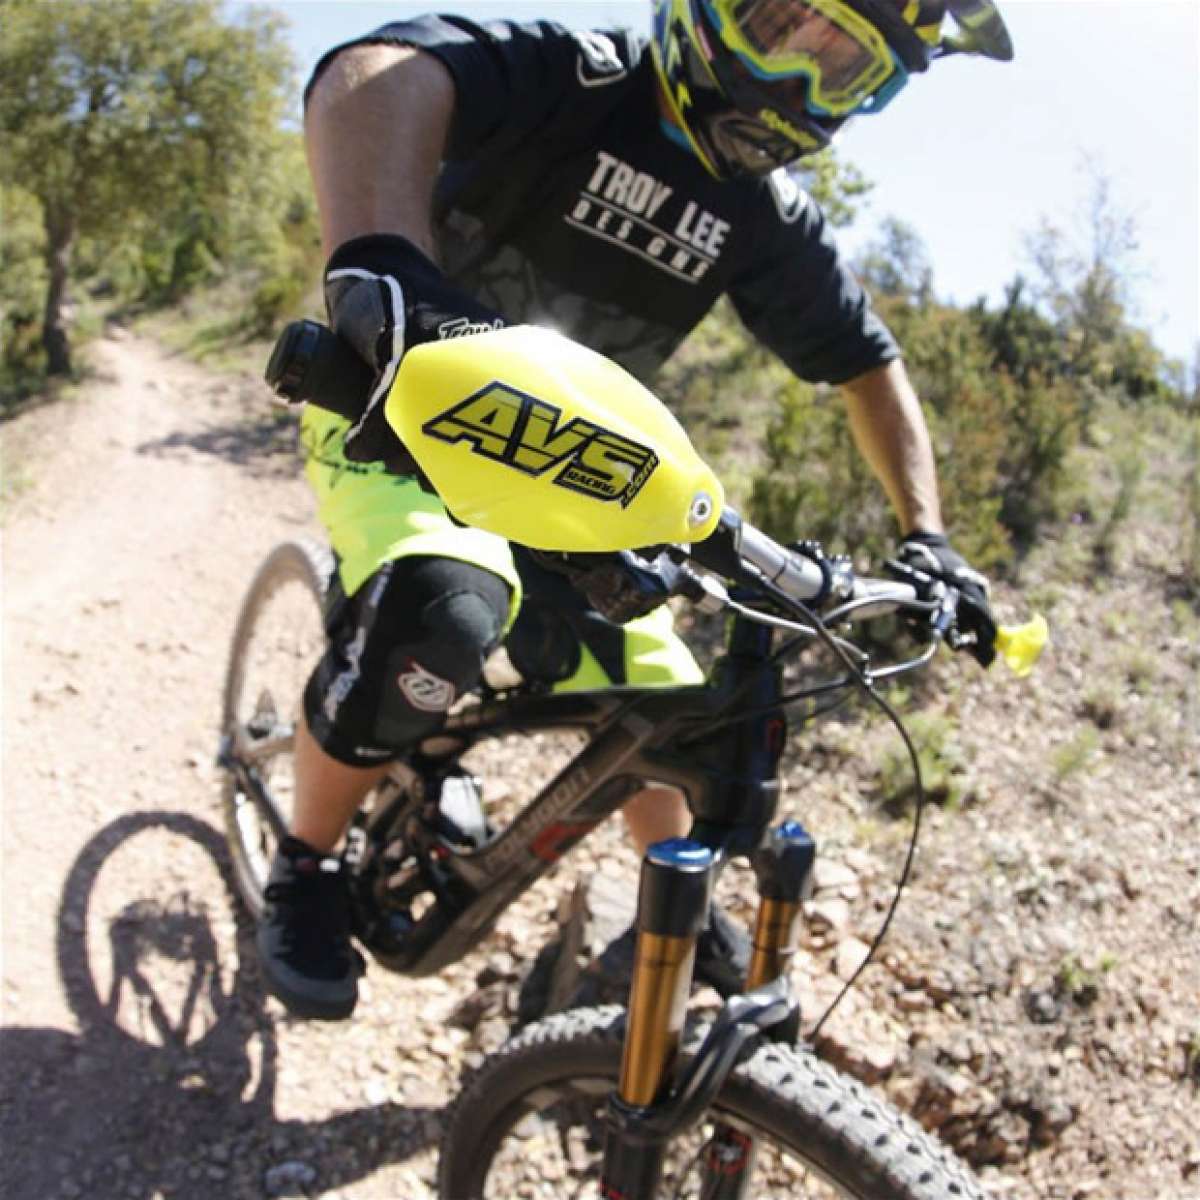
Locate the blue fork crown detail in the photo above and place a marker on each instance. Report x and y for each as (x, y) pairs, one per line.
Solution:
(681, 852)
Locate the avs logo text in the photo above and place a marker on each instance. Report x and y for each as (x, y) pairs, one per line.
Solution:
(505, 425)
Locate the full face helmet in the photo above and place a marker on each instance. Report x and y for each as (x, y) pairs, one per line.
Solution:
(756, 84)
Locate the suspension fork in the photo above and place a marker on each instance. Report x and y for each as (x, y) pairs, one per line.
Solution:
(650, 1106)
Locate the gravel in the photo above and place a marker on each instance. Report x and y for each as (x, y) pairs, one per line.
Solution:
(1035, 1002)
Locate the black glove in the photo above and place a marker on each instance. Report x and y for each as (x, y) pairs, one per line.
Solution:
(384, 296)
(933, 554)
(621, 585)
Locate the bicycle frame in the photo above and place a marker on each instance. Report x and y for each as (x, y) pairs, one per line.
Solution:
(730, 780)
(633, 734)
(426, 889)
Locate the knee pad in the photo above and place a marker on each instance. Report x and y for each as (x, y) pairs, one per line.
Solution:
(404, 648)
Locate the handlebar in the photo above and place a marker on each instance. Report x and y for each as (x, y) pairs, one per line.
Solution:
(805, 575)
(814, 586)
(311, 364)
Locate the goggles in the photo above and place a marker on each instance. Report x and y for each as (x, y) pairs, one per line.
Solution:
(819, 56)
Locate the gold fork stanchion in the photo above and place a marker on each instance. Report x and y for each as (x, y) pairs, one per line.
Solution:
(776, 935)
(673, 899)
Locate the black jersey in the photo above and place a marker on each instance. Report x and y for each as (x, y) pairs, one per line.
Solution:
(564, 200)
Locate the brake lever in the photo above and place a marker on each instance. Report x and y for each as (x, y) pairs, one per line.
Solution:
(945, 618)
(943, 623)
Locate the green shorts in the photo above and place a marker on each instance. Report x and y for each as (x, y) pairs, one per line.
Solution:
(373, 517)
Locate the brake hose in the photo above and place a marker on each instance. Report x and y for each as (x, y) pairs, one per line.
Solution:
(864, 685)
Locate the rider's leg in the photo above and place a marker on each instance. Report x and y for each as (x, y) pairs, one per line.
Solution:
(328, 793)
(405, 644)
(400, 652)
(654, 814)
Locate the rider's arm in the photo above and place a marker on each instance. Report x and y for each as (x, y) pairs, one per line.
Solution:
(375, 129)
(384, 111)
(800, 298)
(890, 432)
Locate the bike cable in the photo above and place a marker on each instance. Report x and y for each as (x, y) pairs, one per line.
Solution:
(704, 730)
(862, 680)
(905, 871)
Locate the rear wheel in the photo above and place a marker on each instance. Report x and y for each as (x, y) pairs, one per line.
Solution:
(279, 636)
(530, 1124)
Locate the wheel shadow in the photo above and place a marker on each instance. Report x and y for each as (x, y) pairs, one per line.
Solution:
(181, 1106)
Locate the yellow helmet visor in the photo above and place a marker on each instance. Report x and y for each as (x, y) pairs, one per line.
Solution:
(823, 50)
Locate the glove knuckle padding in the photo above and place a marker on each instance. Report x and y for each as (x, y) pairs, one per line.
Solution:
(619, 586)
(384, 296)
(360, 311)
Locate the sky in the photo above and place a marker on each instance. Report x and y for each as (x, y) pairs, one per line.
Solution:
(975, 154)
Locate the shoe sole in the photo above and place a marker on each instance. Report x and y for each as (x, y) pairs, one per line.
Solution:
(299, 1005)
(302, 1003)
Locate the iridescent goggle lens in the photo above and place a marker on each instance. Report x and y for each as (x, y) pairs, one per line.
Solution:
(821, 49)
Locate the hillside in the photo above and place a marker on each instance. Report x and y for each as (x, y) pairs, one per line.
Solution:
(1037, 998)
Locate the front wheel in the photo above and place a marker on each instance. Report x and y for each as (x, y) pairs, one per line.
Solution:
(530, 1123)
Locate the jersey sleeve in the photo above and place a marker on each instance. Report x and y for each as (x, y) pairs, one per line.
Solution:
(798, 296)
(512, 79)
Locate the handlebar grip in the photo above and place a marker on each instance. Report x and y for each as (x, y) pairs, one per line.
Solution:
(310, 364)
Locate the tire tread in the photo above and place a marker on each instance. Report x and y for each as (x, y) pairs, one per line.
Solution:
(858, 1138)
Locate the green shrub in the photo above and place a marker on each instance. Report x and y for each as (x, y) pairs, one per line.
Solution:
(1071, 757)
(1079, 979)
(22, 292)
(1130, 463)
(941, 758)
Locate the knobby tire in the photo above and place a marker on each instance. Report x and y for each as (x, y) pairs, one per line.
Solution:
(851, 1142)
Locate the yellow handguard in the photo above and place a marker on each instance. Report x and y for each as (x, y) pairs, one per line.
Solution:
(534, 437)
(1021, 645)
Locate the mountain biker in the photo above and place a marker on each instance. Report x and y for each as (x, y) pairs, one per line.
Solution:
(471, 175)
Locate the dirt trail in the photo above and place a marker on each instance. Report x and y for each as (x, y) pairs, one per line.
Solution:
(138, 1058)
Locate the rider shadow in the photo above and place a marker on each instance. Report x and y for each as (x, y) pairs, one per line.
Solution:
(169, 1114)
(264, 442)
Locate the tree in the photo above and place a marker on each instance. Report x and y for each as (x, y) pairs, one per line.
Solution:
(897, 263)
(120, 115)
(835, 185)
(22, 280)
(1085, 279)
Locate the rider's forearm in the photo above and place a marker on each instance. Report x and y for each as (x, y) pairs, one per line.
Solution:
(890, 432)
(375, 130)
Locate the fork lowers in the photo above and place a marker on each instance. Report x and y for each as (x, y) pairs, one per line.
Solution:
(783, 867)
(651, 1103)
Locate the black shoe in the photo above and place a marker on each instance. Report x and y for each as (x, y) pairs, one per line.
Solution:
(304, 936)
(722, 960)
